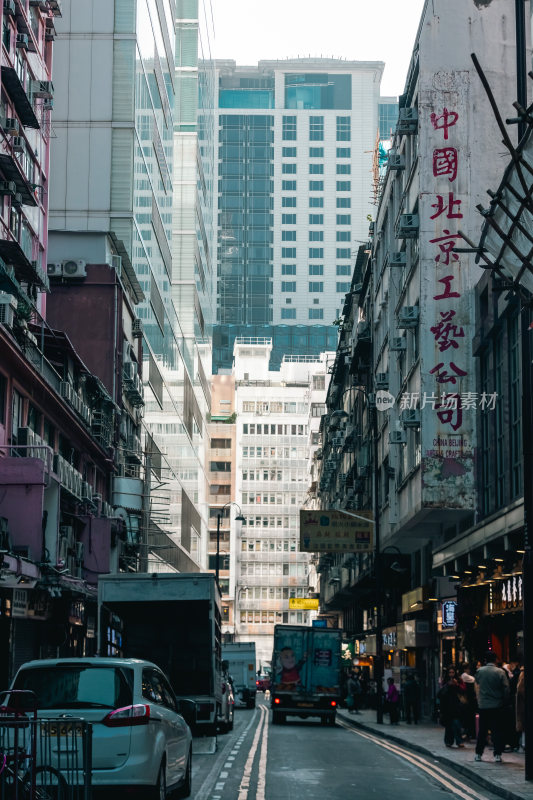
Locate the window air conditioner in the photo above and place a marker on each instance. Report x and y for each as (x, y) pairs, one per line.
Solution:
(397, 437)
(8, 188)
(382, 380)
(43, 89)
(9, 8)
(408, 226)
(18, 144)
(11, 124)
(410, 417)
(22, 40)
(398, 344)
(408, 317)
(8, 306)
(398, 259)
(396, 161)
(407, 120)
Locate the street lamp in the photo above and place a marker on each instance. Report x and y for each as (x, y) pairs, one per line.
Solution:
(238, 518)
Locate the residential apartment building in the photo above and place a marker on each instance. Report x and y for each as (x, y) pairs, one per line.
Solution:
(273, 410)
(408, 330)
(295, 187)
(116, 124)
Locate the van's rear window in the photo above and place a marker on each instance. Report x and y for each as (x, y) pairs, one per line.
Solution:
(76, 686)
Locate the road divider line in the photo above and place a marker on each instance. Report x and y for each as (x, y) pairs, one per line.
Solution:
(245, 782)
(261, 779)
(437, 773)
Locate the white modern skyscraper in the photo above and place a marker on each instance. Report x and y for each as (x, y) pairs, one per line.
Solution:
(296, 142)
(272, 447)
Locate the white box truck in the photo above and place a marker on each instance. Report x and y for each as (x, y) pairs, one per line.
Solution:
(241, 668)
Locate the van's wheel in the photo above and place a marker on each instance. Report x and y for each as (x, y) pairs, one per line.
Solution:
(276, 717)
(186, 788)
(159, 792)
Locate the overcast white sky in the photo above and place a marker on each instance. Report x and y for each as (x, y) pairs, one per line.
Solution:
(360, 30)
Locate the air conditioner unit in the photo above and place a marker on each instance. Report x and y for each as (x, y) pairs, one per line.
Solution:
(407, 120)
(408, 226)
(18, 144)
(334, 575)
(382, 380)
(22, 40)
(408, 317)
(11, 125)
(9, 8)
(43, 89)
(363, 471)
(398, 344)
(116, 263)
(410, 417)
(74, 268)
(48, 103)
(396, 161)
(8, 306)
(18, 200)
(397, 437)
(398, 259)
(130, 370)
(86, 491)
(137, 328)
(63, 549)
(8, 188)
(54, 270)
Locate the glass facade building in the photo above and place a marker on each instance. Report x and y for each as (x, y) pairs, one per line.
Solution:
(294, 137)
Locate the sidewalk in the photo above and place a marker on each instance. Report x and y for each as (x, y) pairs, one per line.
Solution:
(427, 738)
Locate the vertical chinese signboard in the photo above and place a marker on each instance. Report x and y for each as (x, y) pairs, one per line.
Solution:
(447, 392)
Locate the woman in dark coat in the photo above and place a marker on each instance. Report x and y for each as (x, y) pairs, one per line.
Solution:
(452, 698)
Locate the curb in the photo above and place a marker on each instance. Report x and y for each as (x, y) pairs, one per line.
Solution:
(467, 772)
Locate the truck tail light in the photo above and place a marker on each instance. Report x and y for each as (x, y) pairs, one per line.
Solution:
(333, 703)
(277, 701)
(138, 714)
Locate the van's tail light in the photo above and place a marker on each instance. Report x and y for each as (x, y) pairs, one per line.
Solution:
(277, 700)
(333, 703)
(138, 714)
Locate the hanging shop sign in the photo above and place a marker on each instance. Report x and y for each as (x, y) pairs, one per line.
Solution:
(303, 603)
(333, 532)
(449, 613)
(506, 595)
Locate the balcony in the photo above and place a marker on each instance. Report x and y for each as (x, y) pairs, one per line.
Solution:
(18, 95)
(12, 171)
(12, 252)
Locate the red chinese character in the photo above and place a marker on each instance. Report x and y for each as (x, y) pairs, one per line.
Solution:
(445, 162)
(443, 376)
(446, 245)
(450, 415)
(446, 121)
(447, 291)
(445, 332)
(442, 206)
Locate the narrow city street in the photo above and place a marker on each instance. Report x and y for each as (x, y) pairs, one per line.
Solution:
(302, 759)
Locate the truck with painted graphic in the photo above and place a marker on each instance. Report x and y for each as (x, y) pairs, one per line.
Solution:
(240, 657)
(306, 673)
(174, 620)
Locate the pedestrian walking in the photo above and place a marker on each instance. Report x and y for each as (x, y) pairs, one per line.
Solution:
(492, 687)
(452, 699)
(353, 687)
(470, 707)
(411, 695)
(393, 702)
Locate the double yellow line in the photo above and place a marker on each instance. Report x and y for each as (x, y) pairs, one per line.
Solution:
(437, 773)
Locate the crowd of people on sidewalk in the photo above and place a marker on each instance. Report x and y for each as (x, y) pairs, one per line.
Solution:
(472, 703)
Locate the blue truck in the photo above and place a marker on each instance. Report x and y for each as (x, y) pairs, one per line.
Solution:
(306, 673)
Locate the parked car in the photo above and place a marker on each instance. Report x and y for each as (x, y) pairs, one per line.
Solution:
(140, 738)
(262, 683)
(228, 704)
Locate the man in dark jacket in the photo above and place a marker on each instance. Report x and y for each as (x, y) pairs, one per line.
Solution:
(492, 686)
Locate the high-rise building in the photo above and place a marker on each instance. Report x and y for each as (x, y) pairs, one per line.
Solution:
(296, 139)
(272, 445)
(116, 120)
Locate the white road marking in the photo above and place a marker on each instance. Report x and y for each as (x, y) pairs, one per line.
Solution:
(261, 779)
(436, 773)
(245, 782)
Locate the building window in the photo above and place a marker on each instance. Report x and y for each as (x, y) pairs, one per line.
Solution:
(316, 236)
(288, 286)
(288, 186)
(316, 252)
(289, 219)
(316, 286)
(344, 202)
(288, 313)
(316, 169)
(316, 129)
(289, 152)
(316, 269)
(289, 128)
(288, 169)
(344, 169)
(288, 202)
(344, 236)
(316, 186)
(288, 252)
(316, 219)
(344, 152)
(343, 287)
(316, 202)
(319, 383)
(316, 152)
(316, 313)
(288, 269)
(344, 219)
(343, 252)
(220, 466)
(343, 129)
(288, 236)
(344, 269)
(344, 186)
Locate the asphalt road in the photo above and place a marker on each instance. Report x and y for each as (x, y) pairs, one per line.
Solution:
(302, 760)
